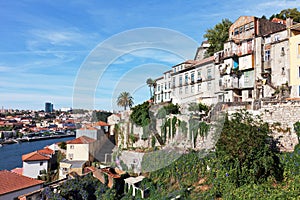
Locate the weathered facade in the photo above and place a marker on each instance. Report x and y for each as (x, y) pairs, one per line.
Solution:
(294, 47)
(249, 59)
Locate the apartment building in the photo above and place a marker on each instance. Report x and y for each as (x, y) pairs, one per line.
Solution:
(254, 63)
(162, 90)
(294, 42)
(242, 62)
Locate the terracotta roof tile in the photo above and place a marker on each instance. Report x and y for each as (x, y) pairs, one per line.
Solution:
(33, 156)
(10, 181)
(17, 170)
(88, 128)
(101, 123)
(81, 140)
(46, 151)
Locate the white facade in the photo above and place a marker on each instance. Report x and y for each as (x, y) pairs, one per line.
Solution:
(78, 152)
(195, 83)
(163, 88)
(112, 121)
(33, 168)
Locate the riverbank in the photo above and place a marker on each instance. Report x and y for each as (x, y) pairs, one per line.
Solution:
(32, 139)
(11, 155)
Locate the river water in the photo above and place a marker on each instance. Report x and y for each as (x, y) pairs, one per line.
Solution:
(11, 154)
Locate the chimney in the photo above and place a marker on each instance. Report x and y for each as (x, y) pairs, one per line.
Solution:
(289, 22)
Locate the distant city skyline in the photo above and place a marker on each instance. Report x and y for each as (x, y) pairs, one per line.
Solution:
(44, 43)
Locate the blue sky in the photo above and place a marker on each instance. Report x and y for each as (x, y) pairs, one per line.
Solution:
(44, 44)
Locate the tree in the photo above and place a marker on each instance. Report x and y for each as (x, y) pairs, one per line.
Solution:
(217, 36)
(246, 150)
(125, 100)
(62, 145)
(288, 13)
(150, 83)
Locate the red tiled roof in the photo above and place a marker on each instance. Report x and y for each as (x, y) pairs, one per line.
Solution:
(10, 181)
(46, 151)
(81, 140)
(88, 128)
(101, 123)
(17, 170)
(33, 156)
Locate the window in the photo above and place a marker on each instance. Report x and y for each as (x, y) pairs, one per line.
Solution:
(41, 163)
(180, 90)
(192, 89)
(169, 85)
(158, 88)
(246, 78)
(193, 77)
(209, 74)
(199, 75)
(299, 71)
(276, 38)
(236, 31)
(70, 156)
(220, 98)
(199, 87)
(241, 29)
(186, 89)
(220, 82)
(174, 79)
(208, 86)
(246, 27)
(249, 93)
(299, 91)
(158, 97)
(251, 25)
(165, 95)
(169, 75)
(165, 86)
(180, 80)
(282, 51)
(267, 55)
(268, 40)
(186, 79)
(71, 146)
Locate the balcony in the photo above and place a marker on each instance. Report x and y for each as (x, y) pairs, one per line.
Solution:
(199, 80)
(233, 84)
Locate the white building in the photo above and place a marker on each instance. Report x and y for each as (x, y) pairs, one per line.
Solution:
(34, 164)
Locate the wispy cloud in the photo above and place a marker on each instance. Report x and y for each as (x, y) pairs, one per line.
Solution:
(5, 68)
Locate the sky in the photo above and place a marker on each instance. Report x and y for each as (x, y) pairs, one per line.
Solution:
(83, 53)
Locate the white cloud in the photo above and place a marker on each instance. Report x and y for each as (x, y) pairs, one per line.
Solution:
(5, 69)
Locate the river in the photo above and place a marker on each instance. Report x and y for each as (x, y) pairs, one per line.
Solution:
(11, 154)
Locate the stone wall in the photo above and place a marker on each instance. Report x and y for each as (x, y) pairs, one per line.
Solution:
(286, 114)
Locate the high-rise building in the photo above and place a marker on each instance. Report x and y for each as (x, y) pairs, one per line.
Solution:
(48, 107)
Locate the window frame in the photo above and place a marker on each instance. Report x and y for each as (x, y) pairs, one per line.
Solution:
(267, 56)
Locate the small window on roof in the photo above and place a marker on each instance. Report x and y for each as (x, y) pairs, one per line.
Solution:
(241, 29)
(251, 26)
(246, 27)
(236, 31)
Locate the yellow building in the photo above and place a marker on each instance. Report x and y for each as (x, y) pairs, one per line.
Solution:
(81, 148)
(295, 60)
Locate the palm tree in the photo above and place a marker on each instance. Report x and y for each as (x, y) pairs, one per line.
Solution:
(151, 83)
(124, 100)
